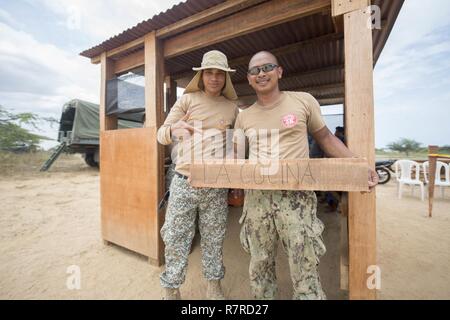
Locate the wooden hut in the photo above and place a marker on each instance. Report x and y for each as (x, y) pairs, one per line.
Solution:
(326, 47)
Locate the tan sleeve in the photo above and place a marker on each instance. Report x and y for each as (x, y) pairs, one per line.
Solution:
(315, 121)
(177, 112)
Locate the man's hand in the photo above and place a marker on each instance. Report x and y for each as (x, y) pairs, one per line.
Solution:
(182, 128)
(373, 179)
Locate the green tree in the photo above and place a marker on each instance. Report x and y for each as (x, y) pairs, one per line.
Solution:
(444, 149)
(14, 136)
(405, 145)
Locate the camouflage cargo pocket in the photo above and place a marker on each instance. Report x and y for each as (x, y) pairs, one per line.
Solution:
(314, 247)
(243, 235)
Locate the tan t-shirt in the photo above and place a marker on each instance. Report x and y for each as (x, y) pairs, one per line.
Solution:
(280, 130)
(213, 115)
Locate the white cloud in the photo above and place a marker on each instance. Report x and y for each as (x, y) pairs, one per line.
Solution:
(416, 20)
(408, 68)
(411, 77)
(103, 19)
(8, 19)
(41, 77)
(31, 68)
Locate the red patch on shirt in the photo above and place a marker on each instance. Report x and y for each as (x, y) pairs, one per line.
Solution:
(289, 121)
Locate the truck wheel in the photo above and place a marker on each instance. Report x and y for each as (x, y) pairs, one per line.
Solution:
(89, 158)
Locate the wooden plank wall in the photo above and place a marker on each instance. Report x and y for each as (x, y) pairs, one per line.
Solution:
(131, 161)
(128, 195)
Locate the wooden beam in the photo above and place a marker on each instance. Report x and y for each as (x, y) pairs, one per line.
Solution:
(359, 121)
(343, 204)
(340, 7)
(314, 89)
(245, 100)
(338, 23)
(96, 60)
(433, 157)
(321, 90)
(279, 51)
(154, 80)
(139, 42)
(330, 101)
(129, 62)
(205, 16)
(107, 73)
(171, 92)
(302, 174)
(291, 48)
(154, 113)
(256, 18)
(302, 74)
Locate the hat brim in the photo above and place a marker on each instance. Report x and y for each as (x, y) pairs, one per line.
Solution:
(214, 67)
(228, 91)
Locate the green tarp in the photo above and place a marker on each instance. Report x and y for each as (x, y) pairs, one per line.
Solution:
(86, 122)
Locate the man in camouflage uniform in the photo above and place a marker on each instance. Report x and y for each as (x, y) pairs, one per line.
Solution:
(286, 215)
(291, 217)
(207, 100)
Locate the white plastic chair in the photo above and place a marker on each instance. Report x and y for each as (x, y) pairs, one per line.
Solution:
(403, 174)
(438, 181)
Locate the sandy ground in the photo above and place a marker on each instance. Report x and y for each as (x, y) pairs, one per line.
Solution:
(51, 221)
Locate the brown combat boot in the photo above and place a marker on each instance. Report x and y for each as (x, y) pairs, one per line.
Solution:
(214, 290)
(172, 294)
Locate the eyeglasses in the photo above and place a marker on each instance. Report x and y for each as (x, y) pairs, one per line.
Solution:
(265, 68)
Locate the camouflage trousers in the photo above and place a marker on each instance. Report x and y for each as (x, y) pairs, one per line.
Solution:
(169, 175)
(289, 216)
(179, 229)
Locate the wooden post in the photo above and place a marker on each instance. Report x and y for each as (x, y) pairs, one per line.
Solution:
(359, 120)
(154, 80)
(107, 73)
(343, 206)
(106, 123)
(432, 160)
(341, 7)
(154, 113)
(171, 94)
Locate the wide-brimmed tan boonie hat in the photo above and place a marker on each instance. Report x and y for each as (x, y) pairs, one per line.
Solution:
(213, 60)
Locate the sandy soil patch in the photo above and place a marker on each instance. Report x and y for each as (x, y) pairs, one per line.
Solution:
(51, 221)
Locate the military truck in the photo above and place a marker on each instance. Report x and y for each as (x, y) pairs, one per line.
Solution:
(79, 130)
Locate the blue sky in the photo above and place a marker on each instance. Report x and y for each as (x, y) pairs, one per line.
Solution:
(41, 70)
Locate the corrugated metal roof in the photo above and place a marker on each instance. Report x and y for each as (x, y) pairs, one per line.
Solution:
(317, 67)
(298, 65)
(177, 12)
